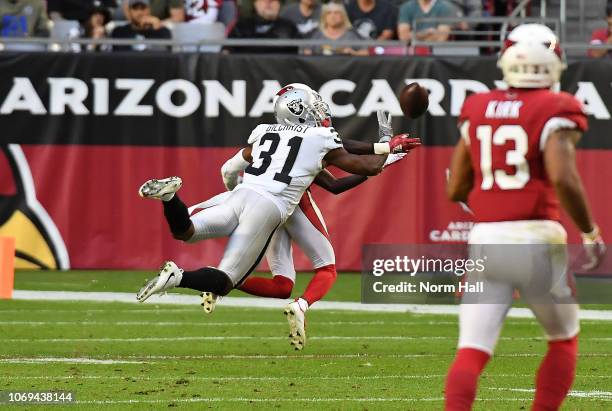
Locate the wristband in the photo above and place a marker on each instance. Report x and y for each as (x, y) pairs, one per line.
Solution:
(382, 148)
(592, 236)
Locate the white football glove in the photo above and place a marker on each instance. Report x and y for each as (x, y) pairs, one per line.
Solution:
(385, 130)
(393, 158)
(594, 248)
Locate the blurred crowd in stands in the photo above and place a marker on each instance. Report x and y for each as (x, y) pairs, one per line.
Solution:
(262, 19)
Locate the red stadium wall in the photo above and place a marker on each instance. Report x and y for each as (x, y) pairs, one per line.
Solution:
(79, 133)
(91, 195)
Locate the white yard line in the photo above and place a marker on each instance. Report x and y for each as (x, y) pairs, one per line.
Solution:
(70, 360)
(261, 378)
(356, 338)
(600, 395)
(270, 400)
(266, 400)
(138, 359)
(204, 323)
(273, 303)
(198, 378)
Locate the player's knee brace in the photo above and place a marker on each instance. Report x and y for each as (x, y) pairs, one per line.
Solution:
(208, 279)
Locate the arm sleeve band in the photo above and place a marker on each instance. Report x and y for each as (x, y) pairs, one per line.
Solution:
(382, 148)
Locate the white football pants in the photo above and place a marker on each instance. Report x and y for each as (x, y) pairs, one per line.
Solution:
(528, 256)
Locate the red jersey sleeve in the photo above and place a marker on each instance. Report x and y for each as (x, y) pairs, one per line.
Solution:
(466, 109)
(569, 107)
(564, 112)
(467, 116)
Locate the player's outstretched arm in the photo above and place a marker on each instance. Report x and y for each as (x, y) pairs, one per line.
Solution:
(231, 169)
(560, 163)
(364, 165)
(327, 181)
(385, 134)
(461, 178)
(398, 144)
(358, 147)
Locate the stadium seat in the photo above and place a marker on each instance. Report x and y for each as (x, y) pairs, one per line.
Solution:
(194, 32)
(63, 30)
(22, 46)
(228, 15)
(455, 51)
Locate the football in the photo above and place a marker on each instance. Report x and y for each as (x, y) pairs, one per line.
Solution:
(414, 100)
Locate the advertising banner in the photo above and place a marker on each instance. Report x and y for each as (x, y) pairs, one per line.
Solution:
(79, 133)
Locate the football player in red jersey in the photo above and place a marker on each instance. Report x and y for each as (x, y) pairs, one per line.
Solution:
(516, 163)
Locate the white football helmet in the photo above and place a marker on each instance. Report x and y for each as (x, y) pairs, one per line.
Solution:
(298, 104)
(531, 57)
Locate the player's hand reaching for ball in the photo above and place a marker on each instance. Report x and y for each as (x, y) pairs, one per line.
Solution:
(402, 143)
(385, 130)
(594, 248)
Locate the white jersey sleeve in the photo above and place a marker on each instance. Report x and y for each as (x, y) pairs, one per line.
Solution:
(320, 141)
(257, 133)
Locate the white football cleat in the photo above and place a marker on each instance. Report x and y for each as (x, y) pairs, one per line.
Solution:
(163, 189)
(170, 276)
(209, 301)
(296, 318)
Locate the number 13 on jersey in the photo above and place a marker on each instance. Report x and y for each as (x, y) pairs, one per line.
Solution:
(516, 157)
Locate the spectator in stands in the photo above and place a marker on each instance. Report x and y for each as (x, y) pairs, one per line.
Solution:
(142, 25)
(305, 15)
(94, 27)
(79, 10)
(266, 23)
(373, 19)
(427, 31)
(202, 11)
(335, 25)
(467, 8)
(23, 18)
(603, 36)
(165, 10)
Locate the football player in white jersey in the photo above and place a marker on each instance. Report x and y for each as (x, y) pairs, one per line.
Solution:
(307, 228)
(285, 158)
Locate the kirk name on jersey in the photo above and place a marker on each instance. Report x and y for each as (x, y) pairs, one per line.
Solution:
(503, 109)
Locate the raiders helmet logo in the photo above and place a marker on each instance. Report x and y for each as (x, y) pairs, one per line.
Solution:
(296, 107)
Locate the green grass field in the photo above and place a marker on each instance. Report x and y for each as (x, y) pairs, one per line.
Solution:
(148, 356)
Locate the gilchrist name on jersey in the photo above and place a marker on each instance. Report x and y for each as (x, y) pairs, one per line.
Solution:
(286, 159)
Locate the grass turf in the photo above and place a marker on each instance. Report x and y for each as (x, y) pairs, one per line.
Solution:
(152, 356)
(347, 288)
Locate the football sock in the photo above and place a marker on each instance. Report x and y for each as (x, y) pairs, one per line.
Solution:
(275, 287)
(462, 379)
(177, 215)
(321, 283)
(207, 279)
(556, 375)
(303, 304)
